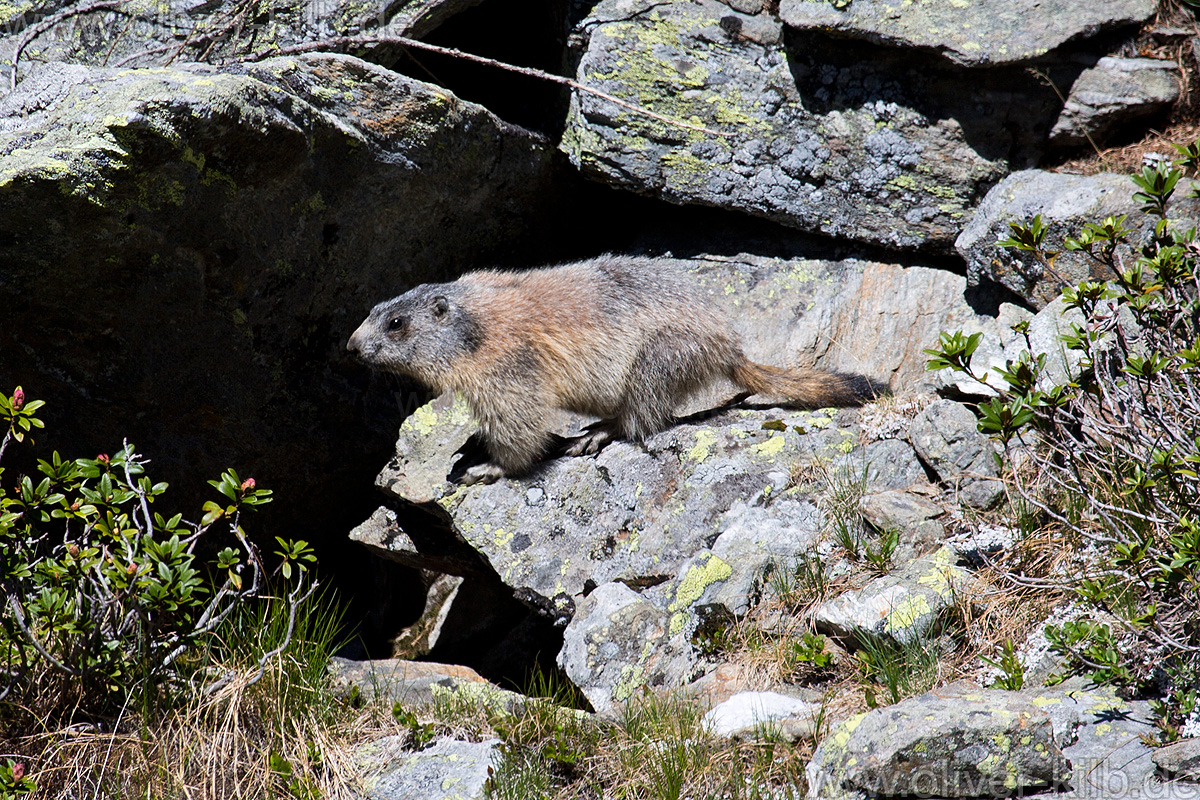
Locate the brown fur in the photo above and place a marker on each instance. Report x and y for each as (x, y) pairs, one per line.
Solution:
(620, 338)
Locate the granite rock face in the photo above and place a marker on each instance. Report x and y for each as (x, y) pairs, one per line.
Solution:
(971, 33)
(875, 146)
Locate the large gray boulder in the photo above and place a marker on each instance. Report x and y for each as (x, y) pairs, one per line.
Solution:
(968, 32)
(877, 149)
(184, 251)
(1072, 740)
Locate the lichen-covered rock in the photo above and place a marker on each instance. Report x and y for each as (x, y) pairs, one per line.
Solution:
(904, 607)
(447, 770)
(757, 540)
(749, 715)
(1114, 93)
(871, 147)
(941, 744)
(968, 32)
(226, 229)
(618, 643)
(639, 513)
(1065, 202)
(946, 437)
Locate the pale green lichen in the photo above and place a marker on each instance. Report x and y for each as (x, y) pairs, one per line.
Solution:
(841, 736)
(422, 421)
(632, 676)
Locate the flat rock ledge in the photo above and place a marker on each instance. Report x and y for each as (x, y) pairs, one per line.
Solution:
(970, 33)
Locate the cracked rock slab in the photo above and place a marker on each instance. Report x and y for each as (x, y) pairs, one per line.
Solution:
(1114, 93)
(945, 435)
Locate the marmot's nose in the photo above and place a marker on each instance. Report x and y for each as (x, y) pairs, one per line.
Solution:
(355, 344)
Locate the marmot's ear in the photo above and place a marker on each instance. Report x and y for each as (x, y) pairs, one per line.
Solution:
(440, 306)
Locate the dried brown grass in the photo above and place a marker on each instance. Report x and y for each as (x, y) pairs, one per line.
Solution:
(214, 748)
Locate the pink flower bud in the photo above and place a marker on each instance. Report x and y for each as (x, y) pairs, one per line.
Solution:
(18, 771)
(18, 399)
(248, 484)
(103, 458)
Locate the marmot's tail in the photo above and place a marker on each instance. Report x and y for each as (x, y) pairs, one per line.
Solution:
(809, 388)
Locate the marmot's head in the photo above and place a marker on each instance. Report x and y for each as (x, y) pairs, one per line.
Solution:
(420, 333)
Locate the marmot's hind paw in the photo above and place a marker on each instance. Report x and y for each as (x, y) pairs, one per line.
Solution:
(482, 473)
(594, 438)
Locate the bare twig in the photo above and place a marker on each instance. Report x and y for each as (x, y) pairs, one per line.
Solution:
(343, 42)
(19, 618)
(46, 24)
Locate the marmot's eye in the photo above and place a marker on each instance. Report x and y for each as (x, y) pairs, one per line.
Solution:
(395, 324)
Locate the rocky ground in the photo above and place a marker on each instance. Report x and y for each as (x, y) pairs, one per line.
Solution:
(195, 213)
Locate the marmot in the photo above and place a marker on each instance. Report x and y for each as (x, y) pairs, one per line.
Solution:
(621, 338)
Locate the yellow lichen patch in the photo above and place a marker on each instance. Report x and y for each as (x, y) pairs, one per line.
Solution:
(772, 446)
(906, 613)
(841, 737)
(705, 439)
(698, 578)
(422, 421)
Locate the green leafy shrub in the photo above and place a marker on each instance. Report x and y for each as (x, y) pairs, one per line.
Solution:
(103, 599)
(1114, 450)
